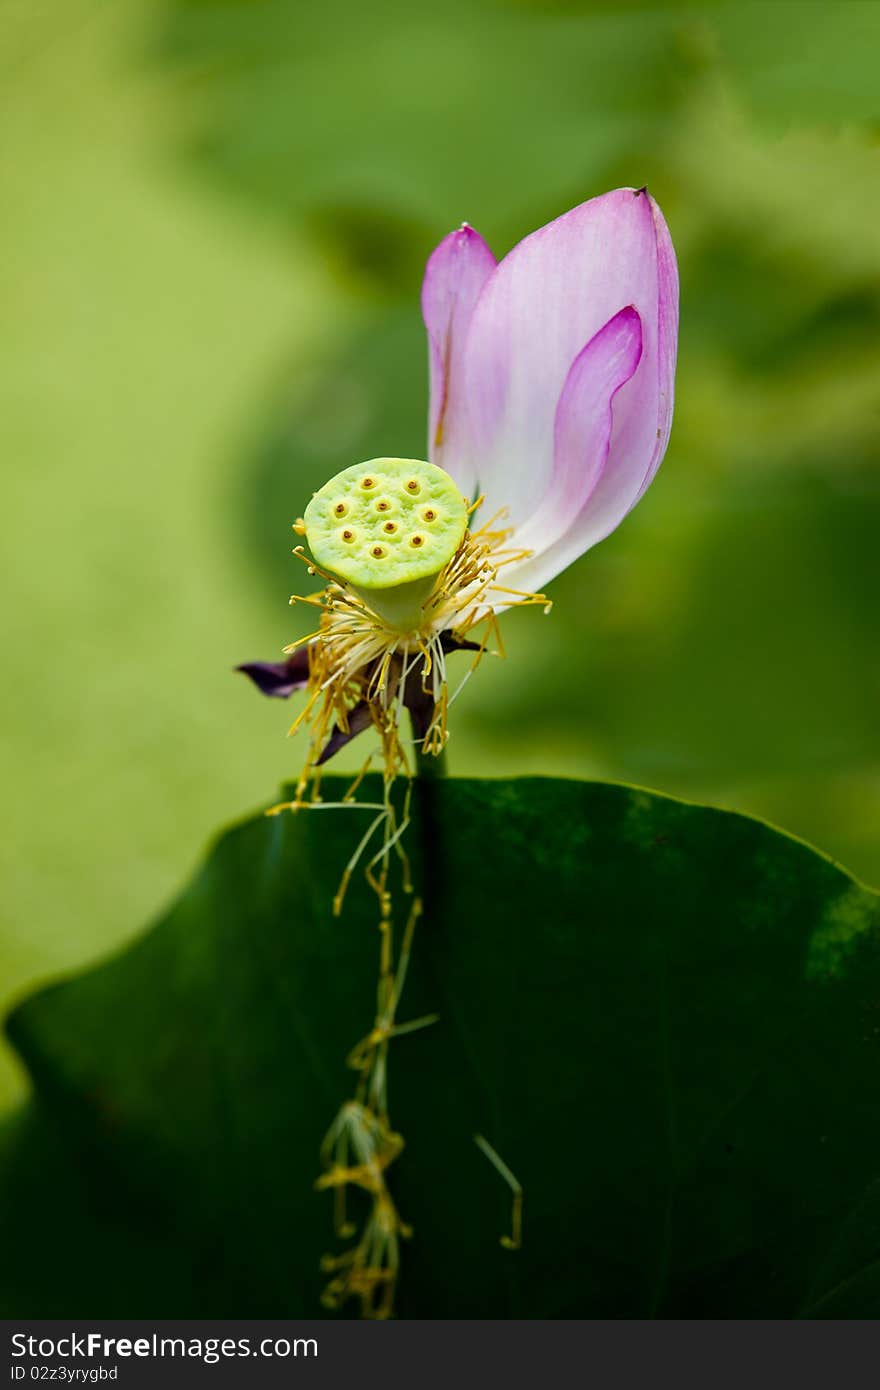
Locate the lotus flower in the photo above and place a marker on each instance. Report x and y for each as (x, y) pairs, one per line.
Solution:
(551, 393)
(551, 401)
(552, 372)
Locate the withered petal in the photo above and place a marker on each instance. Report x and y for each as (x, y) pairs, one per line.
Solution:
(279, 678)
(359, 719)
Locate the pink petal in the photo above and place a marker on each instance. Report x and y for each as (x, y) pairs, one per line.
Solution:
(667, 338)
(551, 295)
(636, 451)
(582, 427)
(454, 277)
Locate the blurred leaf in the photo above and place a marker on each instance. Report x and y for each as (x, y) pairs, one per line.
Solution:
(803, 60)
(797, 60)
(378, 123)
(665, 1018)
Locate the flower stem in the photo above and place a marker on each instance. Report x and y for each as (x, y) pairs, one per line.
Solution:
(430, 766)
(430, 771)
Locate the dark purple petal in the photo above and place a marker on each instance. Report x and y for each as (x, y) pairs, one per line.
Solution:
(450, 643)
(359, 719)
(282, 678)
(279, 678)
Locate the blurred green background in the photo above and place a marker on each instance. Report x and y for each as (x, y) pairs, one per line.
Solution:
(216, 214)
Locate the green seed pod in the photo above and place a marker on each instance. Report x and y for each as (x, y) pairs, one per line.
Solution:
(387, 527)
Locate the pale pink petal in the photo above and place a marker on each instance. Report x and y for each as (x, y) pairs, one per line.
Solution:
(551, 295)
(667, 338)
(454, 277)
(582, 428)
(642, 418)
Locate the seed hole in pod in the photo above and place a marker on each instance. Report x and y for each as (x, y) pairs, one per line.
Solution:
(429, 514)
(368, 483)
(416, 541)
(341, 509)
(390, 527)
(378, 552)
(383, 505)
(413, 486)
(348, 536)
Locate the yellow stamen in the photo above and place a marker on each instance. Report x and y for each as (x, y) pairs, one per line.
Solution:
(358, 658)
(514, 1240)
